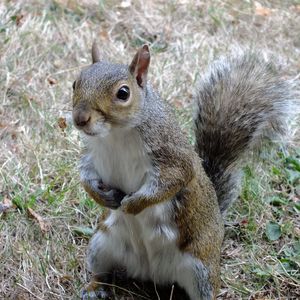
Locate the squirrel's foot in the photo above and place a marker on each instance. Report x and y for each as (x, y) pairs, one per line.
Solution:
(100, 293)
(94, 290)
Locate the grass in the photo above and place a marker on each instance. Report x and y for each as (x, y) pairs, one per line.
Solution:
(262, 244)
(44, 44)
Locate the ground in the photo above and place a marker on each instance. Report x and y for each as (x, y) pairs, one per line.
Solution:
(46, 219)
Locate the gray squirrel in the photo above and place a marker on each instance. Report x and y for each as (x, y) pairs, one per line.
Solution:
(163, 199)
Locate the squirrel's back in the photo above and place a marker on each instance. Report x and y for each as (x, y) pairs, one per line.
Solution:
(241, 101)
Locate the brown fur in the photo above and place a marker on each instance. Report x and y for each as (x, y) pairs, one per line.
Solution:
(103, 105)
(200, 224)
(93, 194)
(104, 215)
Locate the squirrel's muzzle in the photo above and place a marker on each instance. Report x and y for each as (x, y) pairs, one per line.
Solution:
(81, 118)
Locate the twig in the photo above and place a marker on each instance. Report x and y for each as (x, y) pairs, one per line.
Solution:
(156, 292)
(140, 289)
(31, 293)
(68, 70)
(172, 291)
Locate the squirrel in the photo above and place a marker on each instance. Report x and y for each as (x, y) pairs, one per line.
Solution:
(164, 200)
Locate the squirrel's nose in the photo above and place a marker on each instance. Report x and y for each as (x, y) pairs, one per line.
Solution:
(82, 118)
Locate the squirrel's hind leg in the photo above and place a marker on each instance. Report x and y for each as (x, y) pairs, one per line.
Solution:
(193, 276)
(101, 262)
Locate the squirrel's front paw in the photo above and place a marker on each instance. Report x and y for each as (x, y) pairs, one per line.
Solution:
(104, 194)
(112, 197)
(131, 205)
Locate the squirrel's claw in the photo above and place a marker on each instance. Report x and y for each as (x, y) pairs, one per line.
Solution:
(104, 194)
(112, 198)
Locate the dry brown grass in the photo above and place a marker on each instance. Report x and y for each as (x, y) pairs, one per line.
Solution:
(43, 45)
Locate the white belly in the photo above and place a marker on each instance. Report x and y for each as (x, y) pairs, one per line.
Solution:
(120, 159)
(147, 237)
(134, 241)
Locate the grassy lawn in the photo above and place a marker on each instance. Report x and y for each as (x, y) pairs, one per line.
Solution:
(46, 219)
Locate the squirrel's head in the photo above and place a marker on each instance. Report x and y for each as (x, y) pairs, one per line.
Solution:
(108, 95)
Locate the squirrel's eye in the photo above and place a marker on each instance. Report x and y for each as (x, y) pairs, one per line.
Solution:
(74, 83)
(123, 93)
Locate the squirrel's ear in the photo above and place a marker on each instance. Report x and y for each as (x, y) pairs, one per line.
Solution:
(95, 53)
(139, 65)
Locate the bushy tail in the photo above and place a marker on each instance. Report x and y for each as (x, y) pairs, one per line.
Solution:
(241, 101)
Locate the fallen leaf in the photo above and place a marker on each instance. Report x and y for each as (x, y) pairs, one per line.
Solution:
(5, 205)
(297, 232)
(125, 4)
(261, 10)
(66, 277)
(14, 135)
(273, 231)
(244, 222)
(177, 103)
(104, 35)
(52, 81)
(83, 230)
(62, 124)
(57, 63)
(3, 125)
(42, 223)
(17, 18)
